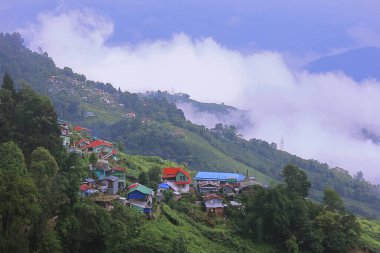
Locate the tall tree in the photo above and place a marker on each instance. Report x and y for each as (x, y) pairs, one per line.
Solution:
(71, 176)
(43, 169)
(36, 123)
(18, 196)
(8, 84)
(296, 180)
(332, 200)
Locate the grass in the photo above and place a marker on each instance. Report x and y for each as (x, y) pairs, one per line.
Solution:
(217, 160)
(370, 234)
(102, 114)
(159, 235)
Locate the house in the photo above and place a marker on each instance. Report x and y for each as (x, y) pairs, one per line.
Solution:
(228, 190)
(111, 184)
(82, 130)
(65, 141)
(102, 168)
(89, 114)
(214, 204)
(103, 148)
(90, 182)
(205, 187)
(100, 146)
(65, 136)
(120, 174)
(105, 201)
(220, 178)
(177, 178)
(140, 197)
(129, 115)
(110, 155)
(82, 144)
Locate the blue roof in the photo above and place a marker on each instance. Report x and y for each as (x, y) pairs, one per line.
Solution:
(164, 185)
(90, 180)
(218, 176)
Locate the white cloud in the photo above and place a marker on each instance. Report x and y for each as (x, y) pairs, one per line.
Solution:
(364, 35)
(318, 116)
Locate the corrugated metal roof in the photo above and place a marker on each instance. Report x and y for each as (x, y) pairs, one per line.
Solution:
(218, 176)
(141, 188)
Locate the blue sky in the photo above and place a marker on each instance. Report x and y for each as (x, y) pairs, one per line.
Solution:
(297, 27)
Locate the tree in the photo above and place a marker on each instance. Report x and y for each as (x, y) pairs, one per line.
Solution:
(154, 175)
(340, 231)
(143, 178)
(93, 159)
(43, 169)
(71, 176)
(8, 84)
(332, 200)
(18, 195)
(36, 124)
(296, 180)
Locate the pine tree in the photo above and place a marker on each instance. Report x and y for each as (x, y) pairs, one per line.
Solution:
(8, 83)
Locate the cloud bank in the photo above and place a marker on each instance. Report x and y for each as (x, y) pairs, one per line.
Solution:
(318, 116)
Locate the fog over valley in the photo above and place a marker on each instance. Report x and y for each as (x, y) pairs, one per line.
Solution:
(319, 116)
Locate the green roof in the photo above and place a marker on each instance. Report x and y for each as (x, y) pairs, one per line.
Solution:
(141, 188)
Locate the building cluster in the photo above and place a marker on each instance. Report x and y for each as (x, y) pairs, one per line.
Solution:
(110, 180)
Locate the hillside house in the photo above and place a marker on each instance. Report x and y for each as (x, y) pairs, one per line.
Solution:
(205, 187)
(140, 197)
(120, 174)
(206, 179)
(177, 178)
(214, 204)
(82, 130)
(65, 134)
(100, 146)
(104, 149)
(102, 168)
(129, 115)
(82, 144)
(110, 184)
(228, 190)
(89, 114)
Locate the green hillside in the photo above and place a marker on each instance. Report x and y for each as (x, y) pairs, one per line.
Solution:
(160, 129)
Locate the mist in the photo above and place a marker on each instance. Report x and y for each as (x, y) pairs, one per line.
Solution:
(319, 116)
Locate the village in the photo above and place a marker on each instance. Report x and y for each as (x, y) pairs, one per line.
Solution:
(110, 181)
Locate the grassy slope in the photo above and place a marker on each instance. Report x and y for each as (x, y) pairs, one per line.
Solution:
(370, 234)
(199, 238)
(217, 160)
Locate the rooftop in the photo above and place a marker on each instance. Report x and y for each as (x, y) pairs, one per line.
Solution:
(140, 188)
(218, 176)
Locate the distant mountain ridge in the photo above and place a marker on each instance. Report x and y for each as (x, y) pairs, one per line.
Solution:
(360, 64)
(207, 114)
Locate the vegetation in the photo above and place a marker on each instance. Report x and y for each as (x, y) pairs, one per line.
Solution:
(41, 210)
(284, 217)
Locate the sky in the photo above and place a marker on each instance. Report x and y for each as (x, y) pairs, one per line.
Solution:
(249, 54)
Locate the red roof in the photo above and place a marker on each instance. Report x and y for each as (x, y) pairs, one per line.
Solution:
(119, 169)
(79, 128)
(133, 185)
(98, 143)
(84, 187)
(114, 151)
(172, 172)
(83, 140)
